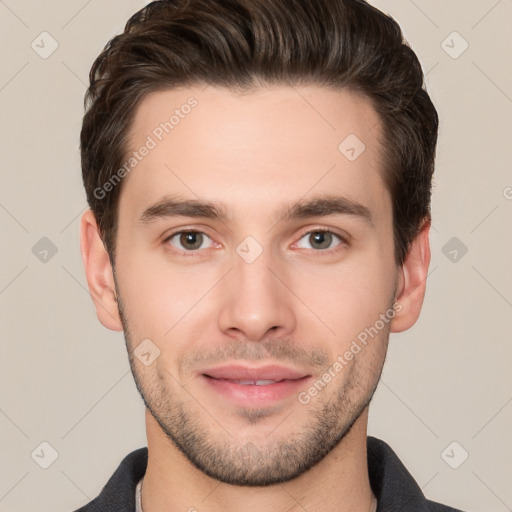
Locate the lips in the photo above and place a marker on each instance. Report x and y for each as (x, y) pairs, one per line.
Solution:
(262, 382)
(253, 387)
(245, 374)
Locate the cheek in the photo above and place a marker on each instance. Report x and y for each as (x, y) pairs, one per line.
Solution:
(155, 296)
(347, 298)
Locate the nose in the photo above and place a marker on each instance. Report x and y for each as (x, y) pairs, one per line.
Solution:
(255, 302)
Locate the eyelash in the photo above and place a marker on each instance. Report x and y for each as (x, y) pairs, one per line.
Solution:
(343, 241)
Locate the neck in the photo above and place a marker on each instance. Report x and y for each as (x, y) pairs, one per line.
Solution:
(338, 483)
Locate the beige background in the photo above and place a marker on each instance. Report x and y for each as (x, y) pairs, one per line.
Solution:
(65, 380)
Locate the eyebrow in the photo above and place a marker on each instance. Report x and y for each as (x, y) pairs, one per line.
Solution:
(321, 206)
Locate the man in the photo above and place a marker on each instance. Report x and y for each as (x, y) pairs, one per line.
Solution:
(259, 176)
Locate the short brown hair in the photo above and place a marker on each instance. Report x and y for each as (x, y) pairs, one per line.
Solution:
(245, 44)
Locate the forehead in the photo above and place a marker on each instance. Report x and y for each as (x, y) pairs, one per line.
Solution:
(253, 151)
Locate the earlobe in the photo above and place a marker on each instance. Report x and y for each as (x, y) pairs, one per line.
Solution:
(99, 273)
(412, 282)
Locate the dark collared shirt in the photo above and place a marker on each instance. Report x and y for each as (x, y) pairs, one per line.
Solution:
(393, 486)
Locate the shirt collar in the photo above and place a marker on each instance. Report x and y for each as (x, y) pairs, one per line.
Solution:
(391, 483)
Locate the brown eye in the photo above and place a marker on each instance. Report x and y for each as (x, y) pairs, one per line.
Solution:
(320, 240)
(187, 240)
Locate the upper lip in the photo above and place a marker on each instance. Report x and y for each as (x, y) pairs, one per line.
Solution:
(240, 372)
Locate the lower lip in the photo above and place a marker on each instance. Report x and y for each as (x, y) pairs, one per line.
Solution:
(254, 395)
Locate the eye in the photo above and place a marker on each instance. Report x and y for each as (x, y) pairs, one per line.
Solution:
(320, 239)
(188, 240)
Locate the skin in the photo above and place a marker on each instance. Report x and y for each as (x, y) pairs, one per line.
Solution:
(299, 304)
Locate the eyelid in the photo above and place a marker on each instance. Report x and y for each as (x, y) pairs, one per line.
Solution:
(325, 229)
(167, 238)
(344, 239)
(183, 229)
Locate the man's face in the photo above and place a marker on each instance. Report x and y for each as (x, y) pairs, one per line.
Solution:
(260, 294)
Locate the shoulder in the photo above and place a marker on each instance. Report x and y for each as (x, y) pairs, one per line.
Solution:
(118, 494)
(393, 485)
(438, 507)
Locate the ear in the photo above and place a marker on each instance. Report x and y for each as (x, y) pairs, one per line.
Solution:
(412, 282)
(99, 273)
